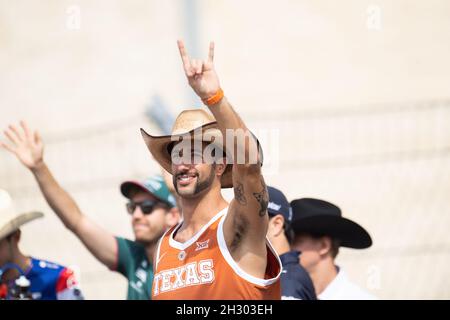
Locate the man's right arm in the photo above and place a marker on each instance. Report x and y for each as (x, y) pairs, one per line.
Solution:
(29, 148)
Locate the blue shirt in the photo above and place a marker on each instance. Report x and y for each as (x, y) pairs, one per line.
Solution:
(295, 280)
(51, 281)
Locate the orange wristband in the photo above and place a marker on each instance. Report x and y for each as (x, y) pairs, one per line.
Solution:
(214, 98)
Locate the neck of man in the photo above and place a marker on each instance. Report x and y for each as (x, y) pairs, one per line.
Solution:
(198, 211)
(20, 260)
(323, 274)
(280, 244)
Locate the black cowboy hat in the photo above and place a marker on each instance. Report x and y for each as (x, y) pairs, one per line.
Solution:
(319, 217)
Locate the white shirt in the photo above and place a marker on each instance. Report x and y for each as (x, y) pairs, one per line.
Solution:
(341, 288)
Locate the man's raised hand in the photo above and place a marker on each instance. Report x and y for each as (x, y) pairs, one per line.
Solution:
(201, 74)
(26, 144)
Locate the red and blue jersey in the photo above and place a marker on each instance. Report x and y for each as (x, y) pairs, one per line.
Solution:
(51, 281)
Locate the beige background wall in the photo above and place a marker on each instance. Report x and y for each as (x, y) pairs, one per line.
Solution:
(361, 109)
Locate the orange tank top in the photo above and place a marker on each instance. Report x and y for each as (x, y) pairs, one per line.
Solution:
(202, 268)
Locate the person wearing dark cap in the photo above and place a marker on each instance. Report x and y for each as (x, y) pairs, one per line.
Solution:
(320, 230)
(296, 284)
(153, 211)
(151, 207)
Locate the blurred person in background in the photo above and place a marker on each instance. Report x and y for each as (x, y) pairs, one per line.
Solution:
(320, 230)
(25, 277)
(151, 206)
(296, 283)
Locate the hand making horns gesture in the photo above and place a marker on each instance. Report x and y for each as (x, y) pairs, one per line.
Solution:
(202, 76)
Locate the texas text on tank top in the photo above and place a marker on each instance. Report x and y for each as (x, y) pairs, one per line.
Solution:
(202, 268)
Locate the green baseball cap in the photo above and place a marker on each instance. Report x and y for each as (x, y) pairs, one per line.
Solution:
(154, 185)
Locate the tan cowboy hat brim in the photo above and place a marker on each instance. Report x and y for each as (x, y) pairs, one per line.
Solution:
(14, 224)
(158, 147)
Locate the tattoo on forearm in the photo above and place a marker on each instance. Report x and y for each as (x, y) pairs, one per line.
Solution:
(239, 194)
(263, 198)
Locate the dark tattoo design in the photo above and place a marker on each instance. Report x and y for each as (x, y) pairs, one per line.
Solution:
(263, 198)
(239, 194)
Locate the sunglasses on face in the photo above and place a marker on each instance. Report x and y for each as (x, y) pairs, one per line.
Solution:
(195, 156)
(146, 206)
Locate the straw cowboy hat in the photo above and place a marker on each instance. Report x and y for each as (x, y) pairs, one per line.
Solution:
(187, 125)
(10, 220)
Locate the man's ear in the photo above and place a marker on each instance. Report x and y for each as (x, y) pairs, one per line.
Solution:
(220, 168)
(325, 245)
(276, 224)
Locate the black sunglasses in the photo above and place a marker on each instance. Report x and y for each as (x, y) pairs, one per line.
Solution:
(146, 206)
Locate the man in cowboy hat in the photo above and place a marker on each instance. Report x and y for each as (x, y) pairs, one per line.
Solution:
(296, 284)
(46, 280)
(151, 208)
(320, 230)
(219, 251)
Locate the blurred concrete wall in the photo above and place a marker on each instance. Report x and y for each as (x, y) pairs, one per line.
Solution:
(358, 94)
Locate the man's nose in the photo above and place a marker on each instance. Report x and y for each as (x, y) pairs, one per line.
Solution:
(137, 213)
(184, 165)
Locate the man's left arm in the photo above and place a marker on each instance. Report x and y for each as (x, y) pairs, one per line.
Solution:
(245, 226)
(247, 219)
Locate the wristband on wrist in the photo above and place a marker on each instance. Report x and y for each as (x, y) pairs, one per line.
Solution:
(214, 98)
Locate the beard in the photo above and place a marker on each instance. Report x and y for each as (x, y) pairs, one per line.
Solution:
(148, 239)
(200, 185)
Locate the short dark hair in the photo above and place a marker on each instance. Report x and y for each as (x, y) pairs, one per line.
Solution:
(335, 244)
(288, 232)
